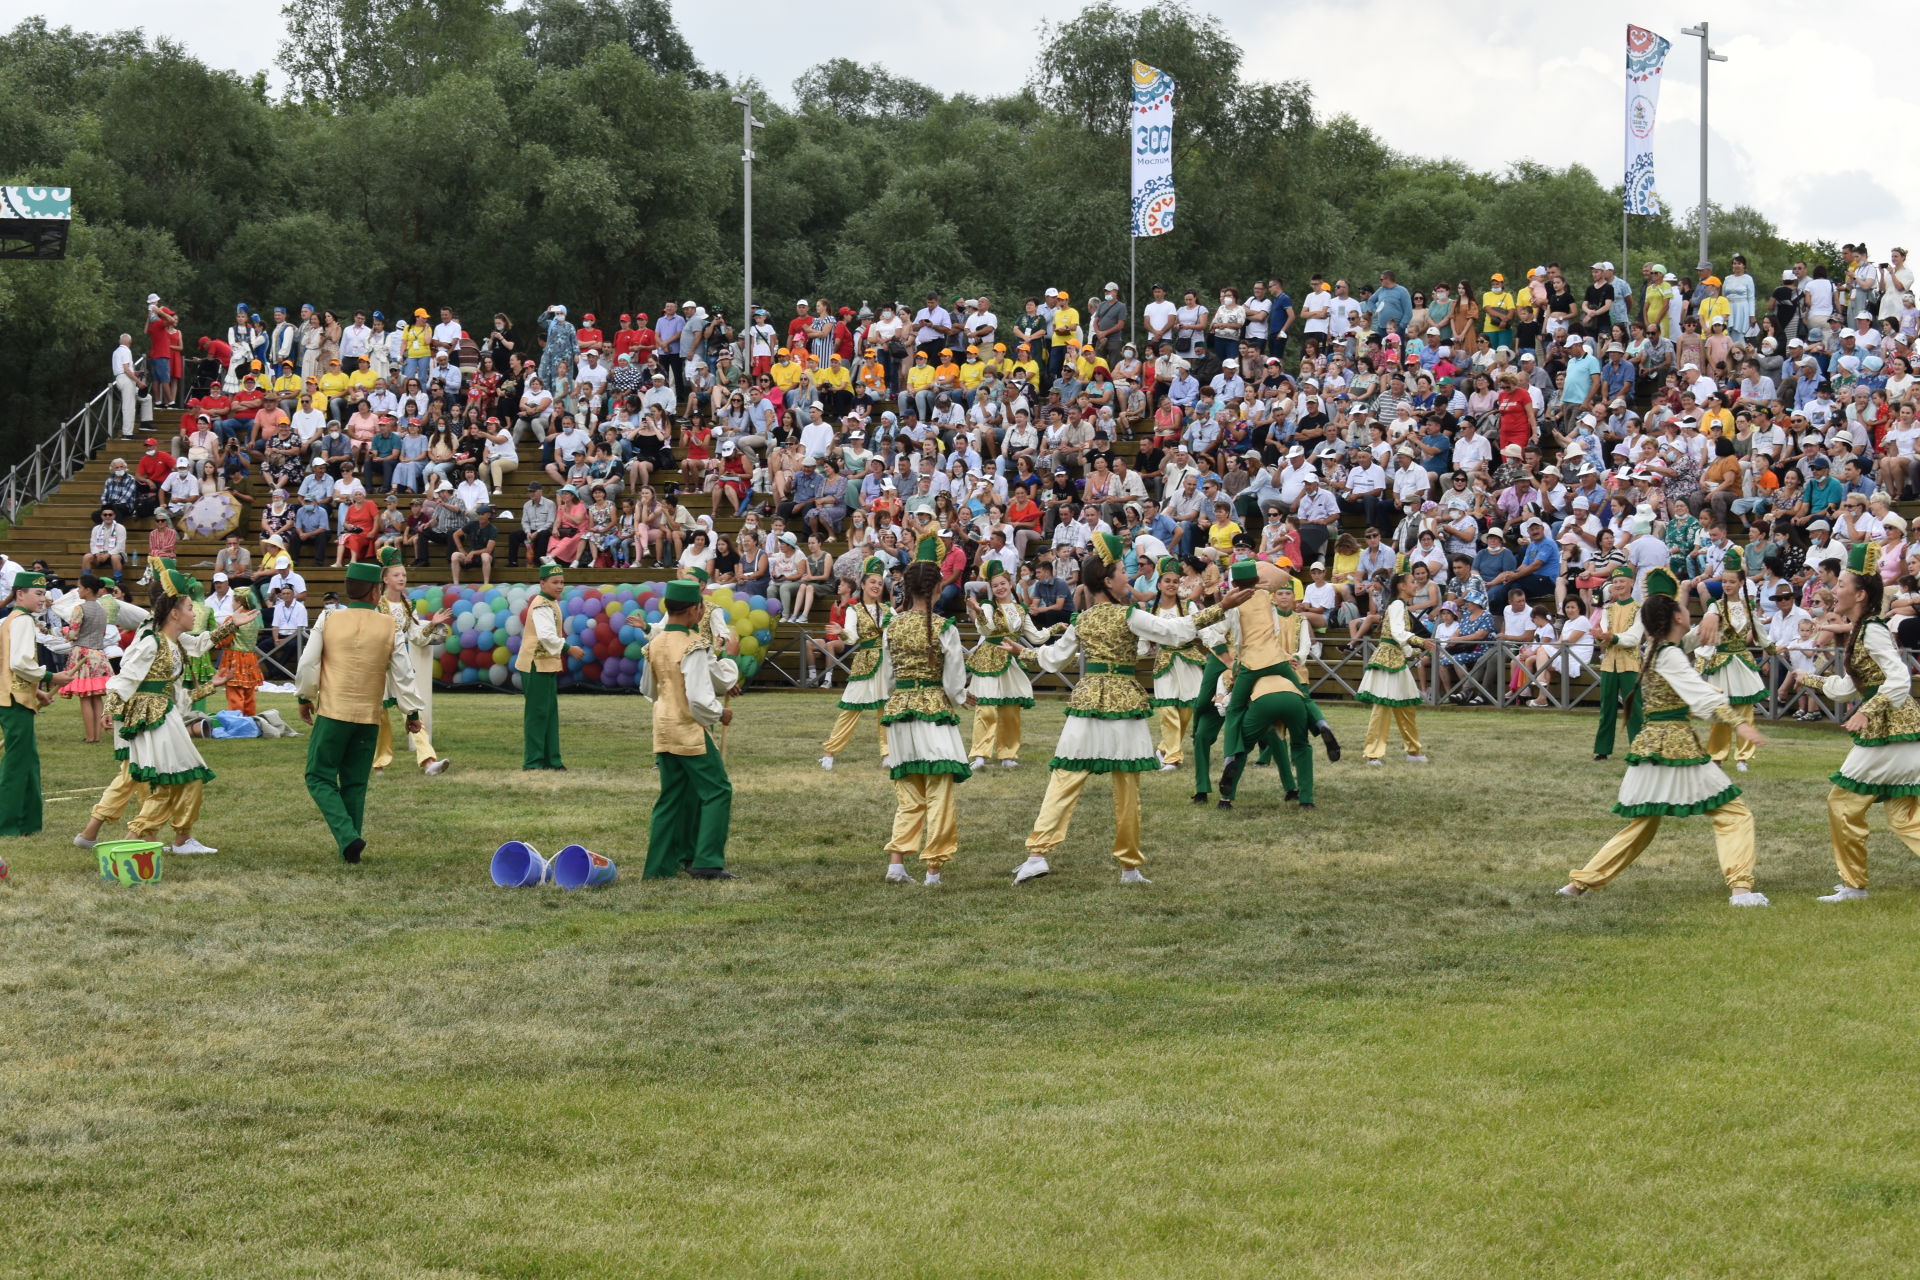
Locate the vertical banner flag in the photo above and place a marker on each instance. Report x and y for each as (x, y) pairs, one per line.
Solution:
(1152, 122)
(1646, 58)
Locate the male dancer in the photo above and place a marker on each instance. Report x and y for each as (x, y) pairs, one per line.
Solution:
(687, 683)
(23, 692)
(1255, 627)
(352, 658)
(1620, 638)
(541, 645)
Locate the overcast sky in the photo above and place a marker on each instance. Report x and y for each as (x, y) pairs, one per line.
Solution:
(1487, 81)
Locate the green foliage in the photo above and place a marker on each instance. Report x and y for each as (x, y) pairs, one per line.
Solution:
(463, 152)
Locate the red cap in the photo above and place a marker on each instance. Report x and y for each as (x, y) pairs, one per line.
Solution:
(152, 443)
(640, 315)
(626, 319)
(588, 317)
(463, 333)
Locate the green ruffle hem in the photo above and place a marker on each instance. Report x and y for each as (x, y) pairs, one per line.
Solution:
(1144, 713)
(1888, 741)
(1144, 765)
(1879, 790)
(957, 768)
(1667, 762)
(1176, 702)
(134, 728)
(1025, 704)
(1375, 700)
(154, 778)
(1677, 810)
(939, 717)
(844, 705)
(1748, 700)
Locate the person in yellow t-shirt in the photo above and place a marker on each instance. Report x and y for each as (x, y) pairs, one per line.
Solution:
(1088, 362)
(1023, 361)
(288, 386)
(1065, 333)
(1711, 305)
(999, 363)
(333, 383)
(418, 341)
(972, 373)
(785, 371)
(1496, 312)
(835, 385)
(363, 377)
(919, 396)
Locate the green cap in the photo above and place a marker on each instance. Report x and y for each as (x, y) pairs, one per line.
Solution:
(681, 593)
(389, 557)
(1244, 571)
(28, 579)
(1622, 571)
(551, 570)
(363, 571)
(1859, 558)
(1735, 561)
(1661, 582)
(699, 575)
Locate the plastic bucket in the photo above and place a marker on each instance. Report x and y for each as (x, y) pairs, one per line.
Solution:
(517, 864)
(576, 867)
(129, 861)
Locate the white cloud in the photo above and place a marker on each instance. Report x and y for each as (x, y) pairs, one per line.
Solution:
(1485, 81)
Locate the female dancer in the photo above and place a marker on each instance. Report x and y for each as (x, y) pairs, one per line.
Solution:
(869, 681)
(238, 661)
(1668, 772)
(925, 755)
(1106, 728)
(420, 634)
(87, 670)
(1885, 761)
(1734, 635)
(1387, 688)
(1177, 671)
(998, 685)
(147, 698)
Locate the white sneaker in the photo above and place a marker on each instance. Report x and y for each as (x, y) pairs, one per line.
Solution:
(1376, 764)
(897, 874)
(1571, 891)
(1749, 899)
(1031, 869)
(435, 767)
(1741, 765)
(826, 762)
(1009, 764)
(81, 842)
(978, 762)
(191, 845)
(932, 880)
(1843, 893)
(1416, 760)
(1131, 875)
(379, 772)
(826, 681)
(1168, 768)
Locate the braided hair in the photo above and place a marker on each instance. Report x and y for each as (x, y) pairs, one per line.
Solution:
(1870, 586)
(922, 581)
(1656, 615)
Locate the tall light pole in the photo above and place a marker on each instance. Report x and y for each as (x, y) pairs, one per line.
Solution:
(1707, 55)
(747, 125)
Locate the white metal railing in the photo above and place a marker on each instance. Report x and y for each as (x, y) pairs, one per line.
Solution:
(55, 459)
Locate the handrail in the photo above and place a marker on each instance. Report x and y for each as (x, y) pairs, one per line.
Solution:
(55, 459)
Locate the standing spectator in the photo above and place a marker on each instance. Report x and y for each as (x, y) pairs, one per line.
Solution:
(128, 382)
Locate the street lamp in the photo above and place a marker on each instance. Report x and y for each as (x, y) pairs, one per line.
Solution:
(1707, 55)
(747, 125)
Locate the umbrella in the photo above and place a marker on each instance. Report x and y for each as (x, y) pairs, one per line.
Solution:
(212, 516)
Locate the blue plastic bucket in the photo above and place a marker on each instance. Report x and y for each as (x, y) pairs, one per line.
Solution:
(576, 867)
(517, 864)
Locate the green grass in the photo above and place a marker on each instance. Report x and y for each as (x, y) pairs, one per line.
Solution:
(1361, 1042)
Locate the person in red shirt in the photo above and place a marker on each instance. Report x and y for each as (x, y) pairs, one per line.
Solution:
(798, 326)
(156, 464)
(217, 351)
(624, 338)
(163, 357)
(246, 403)
(589, 336)
(843, 336)
(645, 341)
(359, 527)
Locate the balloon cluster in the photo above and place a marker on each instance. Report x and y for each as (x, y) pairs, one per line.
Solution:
(606, 631)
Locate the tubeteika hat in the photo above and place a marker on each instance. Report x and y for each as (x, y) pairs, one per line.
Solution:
(683, 592)
(363, 571)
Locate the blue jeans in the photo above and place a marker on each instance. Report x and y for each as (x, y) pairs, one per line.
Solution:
(418, 367)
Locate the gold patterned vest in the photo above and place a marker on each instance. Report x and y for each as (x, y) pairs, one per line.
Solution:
(988, 658)
(919, 668)
(18, 690)
(1886, 724)
(153, 696)
(873, 619)
(1387, 654)
(530, 658)
(1193, 652)
(1260, 644)
(1618, 617)
(675, 731)
(1295, 643)
(1733, 641)
(1667, 736)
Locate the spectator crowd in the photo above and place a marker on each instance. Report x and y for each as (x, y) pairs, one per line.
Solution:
(1508, 441)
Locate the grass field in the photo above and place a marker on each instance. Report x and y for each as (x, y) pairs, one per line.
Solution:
(1366, 1041)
